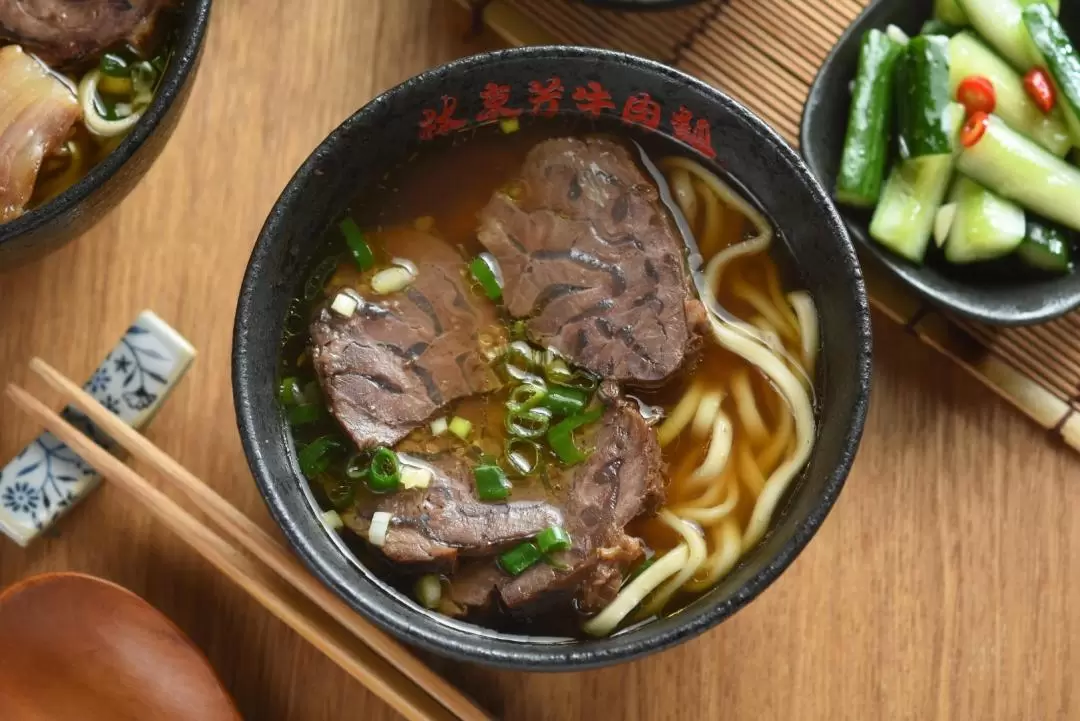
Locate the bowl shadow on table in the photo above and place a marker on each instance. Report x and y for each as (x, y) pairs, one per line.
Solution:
(995, 293)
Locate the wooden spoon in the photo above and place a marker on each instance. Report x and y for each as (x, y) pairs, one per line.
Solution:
(77, 647)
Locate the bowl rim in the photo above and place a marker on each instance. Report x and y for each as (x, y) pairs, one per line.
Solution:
(477, 647)
(185, 58)
(912, 276)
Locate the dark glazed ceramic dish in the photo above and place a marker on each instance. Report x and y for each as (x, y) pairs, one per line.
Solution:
(77, 209)
(384, 133)
(988, 295)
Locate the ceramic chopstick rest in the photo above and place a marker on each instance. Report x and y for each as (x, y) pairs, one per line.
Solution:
(46, 479)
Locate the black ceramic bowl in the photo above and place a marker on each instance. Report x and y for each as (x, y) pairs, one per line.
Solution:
(78, 208)
(991, 294)
(384, 133)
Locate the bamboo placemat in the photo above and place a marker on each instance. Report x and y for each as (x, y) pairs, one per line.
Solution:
(781, 43)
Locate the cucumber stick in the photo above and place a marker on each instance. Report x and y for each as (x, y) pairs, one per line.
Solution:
(1017, 168)
(866, 145)
(904, 218)
(968, 56)
(1059, 56)
(1046, 247)
(1001, 22)
(922, 97)
(950, 12)
(985, 226)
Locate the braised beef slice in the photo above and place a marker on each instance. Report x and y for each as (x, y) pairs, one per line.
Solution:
(63, 31)
(399, 359)
(621, 480)
(591, 259)
(445, 520)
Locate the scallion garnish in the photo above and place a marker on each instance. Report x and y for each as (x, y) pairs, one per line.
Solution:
(519, 559)
(563, 401)
(523, 456)
(341, 493)
(305, 413)
(385, 472)
(561, 436)
(289, 392)
(354, 238)
(529, 423)
(491, 483)
(485, 270)
(356, 467)
(429, 591)
(461, 427)
(526, 396)
(114, 66)
(552, 539)
(315, 457)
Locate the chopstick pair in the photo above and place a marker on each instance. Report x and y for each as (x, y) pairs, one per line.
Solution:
(283, 587)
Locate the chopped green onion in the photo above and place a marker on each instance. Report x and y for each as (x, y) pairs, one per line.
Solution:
(114, 66)
(305, 413)
(517, 560)
(289, 392)
(531, 423)
(354, 238)
(526, 396)
(345, 304)
(552, 539)
(509, 125)
(341, 493)
(429, 591)
(561, 436)
(461, 427)
(523, 456)
(565, 401)
(556, 371)
(517, 330)
(522, 360)
(332, 520)
(485, 270)
(356, 467)
(415, 477)
(394, 279)
(379, 528)
(440, 426)
(385, 472)
(115, 85)
(491, 483)
(315, 456)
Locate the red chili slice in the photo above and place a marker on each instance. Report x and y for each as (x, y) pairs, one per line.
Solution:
(976, 94)
(1040, 89)
(974, 129)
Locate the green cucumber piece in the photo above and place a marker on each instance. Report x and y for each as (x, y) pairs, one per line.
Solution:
(1046, 247)
(949, 11)
(1060, 58)
(904, 218)
(1001, 23)
(862, 167)
(985, 226)
(922, 97)
(968, 56)
(1017, 168)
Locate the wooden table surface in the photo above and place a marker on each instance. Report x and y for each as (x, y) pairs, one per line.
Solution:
(944, 585)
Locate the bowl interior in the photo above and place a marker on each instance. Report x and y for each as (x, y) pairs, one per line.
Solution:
(62, 215)
(388, 130)
(992, 294)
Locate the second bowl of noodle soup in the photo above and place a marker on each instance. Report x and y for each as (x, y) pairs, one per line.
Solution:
(563, 356)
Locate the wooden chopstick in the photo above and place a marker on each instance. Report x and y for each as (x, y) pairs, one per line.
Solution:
(259, 543)
(340, 643)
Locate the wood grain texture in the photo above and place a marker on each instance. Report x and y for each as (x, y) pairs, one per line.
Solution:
(945, 584)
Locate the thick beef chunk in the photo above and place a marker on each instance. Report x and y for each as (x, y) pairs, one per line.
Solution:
(620, 481)
(436, 524)
(593, 262)
(398, 360)
(62, 31)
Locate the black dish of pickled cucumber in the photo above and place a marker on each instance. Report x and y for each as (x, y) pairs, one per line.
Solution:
(882, 127)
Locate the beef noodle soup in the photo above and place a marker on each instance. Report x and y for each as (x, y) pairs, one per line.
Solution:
(75, 77)
(549, 380)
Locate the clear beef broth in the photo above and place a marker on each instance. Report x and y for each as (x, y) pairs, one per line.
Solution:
(443, 190)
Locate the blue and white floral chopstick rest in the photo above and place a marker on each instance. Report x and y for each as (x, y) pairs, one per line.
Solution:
(44, 481)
